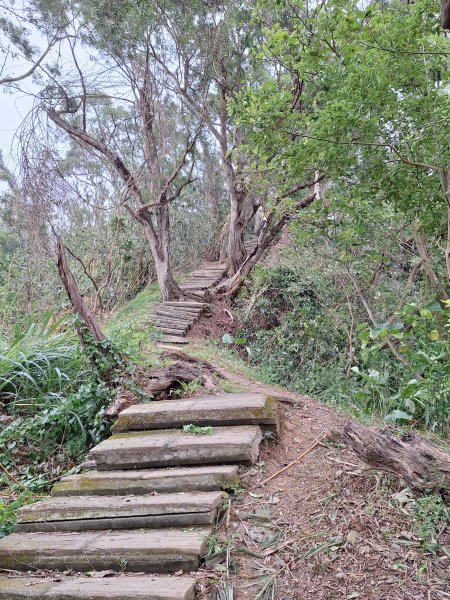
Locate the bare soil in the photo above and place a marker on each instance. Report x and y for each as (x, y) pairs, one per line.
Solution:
(325, 528)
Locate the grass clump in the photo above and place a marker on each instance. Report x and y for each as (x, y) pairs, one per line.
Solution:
(131, 327)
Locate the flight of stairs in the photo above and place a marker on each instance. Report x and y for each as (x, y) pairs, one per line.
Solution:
(148, 508)
(173, 319)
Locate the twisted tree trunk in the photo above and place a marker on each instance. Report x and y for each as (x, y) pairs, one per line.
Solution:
(76, 298)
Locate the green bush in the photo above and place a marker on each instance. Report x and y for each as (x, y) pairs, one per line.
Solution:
(298, 329)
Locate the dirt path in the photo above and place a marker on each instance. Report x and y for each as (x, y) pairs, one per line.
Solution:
(326, 528)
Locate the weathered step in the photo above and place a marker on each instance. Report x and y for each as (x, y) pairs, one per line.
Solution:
(195, 286)
(222, 409)
(173, 331)
(173, 447)
(88, 513)
(140, 551)
(129, 587)
(185, 317)
(188, 318)
(161, 481)
(174, 339)
(187, 304)
(172, 325)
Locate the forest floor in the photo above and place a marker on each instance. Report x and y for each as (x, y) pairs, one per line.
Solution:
(327, 527)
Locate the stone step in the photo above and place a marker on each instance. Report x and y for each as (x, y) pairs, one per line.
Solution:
(128, 587)
(173, 447)
(221, 409)
(88, 513)
(161, 481)
(139, 551)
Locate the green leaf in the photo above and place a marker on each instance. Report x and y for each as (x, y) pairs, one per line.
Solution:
(397, 415)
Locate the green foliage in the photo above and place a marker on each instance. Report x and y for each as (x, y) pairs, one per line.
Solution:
(188, 389)
(56, 396)
(291, 334)
(431, 517)
(8, 510)
(423, 392)
(40, 358)
(196, 430)
(298, 327)
(130, 327)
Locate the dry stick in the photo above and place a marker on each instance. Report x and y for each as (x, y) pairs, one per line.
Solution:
(307, 451)
(350, 338)
(15, 480)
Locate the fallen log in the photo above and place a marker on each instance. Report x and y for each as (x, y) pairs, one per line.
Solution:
(420, 463)
(158, 383)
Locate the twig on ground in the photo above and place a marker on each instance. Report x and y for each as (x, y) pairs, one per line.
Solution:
(304, 453)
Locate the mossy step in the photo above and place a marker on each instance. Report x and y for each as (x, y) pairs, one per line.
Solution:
(221, 409)
(172, 447)
(86, 513)
(160, 481)
(140, 551)
(129, 587)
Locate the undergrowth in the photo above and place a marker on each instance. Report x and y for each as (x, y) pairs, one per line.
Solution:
(299, 332)
(52, 400)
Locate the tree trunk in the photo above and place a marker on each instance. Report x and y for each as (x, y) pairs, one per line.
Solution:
(75, 297)
(421, 464)
(236, 237)
(445, 14)
(426, 262)
(267, 237)
(160, 247)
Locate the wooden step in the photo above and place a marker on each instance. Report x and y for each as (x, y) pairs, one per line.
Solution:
(166, 324)
(88, 513)
(222, 409)
(161, 481)
(174, 339)
(173, 447)
(128, 587)
(173, 316)
(195, 286)
(187, 304)
(173, 331)
(139, 551)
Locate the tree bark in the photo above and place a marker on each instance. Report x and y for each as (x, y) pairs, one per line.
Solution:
(447, 196)
(426, 262)
(75, 297)
(445, 14)
(421, 464)
(233, 284)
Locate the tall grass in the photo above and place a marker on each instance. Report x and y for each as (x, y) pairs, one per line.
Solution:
(40, 358)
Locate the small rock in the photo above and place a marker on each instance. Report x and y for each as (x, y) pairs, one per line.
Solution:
(352, 537)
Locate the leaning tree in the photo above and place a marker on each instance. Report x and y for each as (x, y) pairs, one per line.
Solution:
(148, 140)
